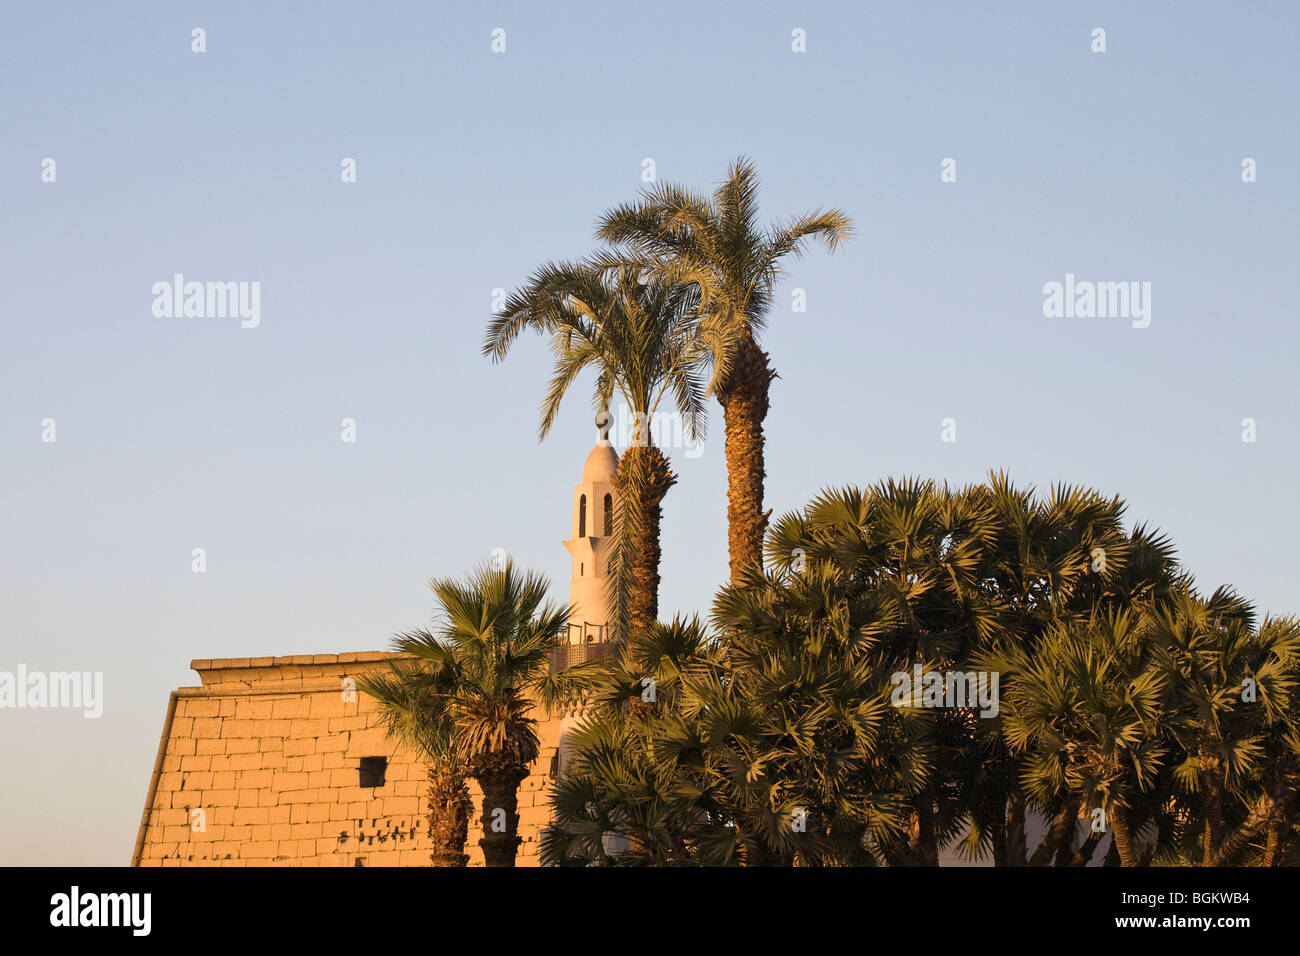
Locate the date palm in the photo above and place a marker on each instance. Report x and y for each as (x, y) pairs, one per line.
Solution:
(716, 244)
(637, 337)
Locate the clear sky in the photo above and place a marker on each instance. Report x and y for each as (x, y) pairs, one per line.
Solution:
(472, 168)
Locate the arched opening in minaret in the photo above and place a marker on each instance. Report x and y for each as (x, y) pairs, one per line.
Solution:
(609, 515)
(582, 517)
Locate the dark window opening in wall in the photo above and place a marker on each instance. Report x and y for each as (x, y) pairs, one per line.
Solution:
(609, 515)
(372, 771)
(582, 517)
(582, 569)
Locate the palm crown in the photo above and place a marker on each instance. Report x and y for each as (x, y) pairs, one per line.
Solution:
(635, 334)
(716, 246)
(466, 691)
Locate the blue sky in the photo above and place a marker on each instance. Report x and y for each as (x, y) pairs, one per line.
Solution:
(473, 168)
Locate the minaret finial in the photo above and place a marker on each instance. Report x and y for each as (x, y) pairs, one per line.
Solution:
(604, 421)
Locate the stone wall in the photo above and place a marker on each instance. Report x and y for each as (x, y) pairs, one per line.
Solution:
(270, 750)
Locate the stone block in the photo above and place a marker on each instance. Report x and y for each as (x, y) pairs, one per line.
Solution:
(206, 728)
(299, 746)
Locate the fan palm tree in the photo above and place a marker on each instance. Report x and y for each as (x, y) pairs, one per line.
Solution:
(972, 578)
(1234, 685)
(1122, 691)
(776, 757)
(636, 336)
(414, 698)
(905, 562)
(1088, 711)
(1276, 671)
(1050, 561)
(716, 244)
(636, 791)
(486, 665)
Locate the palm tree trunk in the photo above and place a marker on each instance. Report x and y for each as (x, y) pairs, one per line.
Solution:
(999, 822)
(1060, 832)
(927, 841)
(1016, 849)
(499, 777)
(1278, 845)
(1122, 832)
(1249, 828)
(1112, 856)
(643, 480)
(1211, 770)
(1083, 855)
(449, 809)
(998, 838)
(744, 400)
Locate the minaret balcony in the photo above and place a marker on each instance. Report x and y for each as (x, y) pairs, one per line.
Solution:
(585, 643)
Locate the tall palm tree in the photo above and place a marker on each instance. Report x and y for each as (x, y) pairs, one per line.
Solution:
(488, 663)
(637, 337)
(715, 244)
(414, 698)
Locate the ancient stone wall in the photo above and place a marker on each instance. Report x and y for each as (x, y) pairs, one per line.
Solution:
(270, 751)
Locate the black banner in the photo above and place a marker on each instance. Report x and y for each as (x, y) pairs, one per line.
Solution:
(353, 905)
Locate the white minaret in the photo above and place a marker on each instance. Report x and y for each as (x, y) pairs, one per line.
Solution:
(593, 525)
(594, 499)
